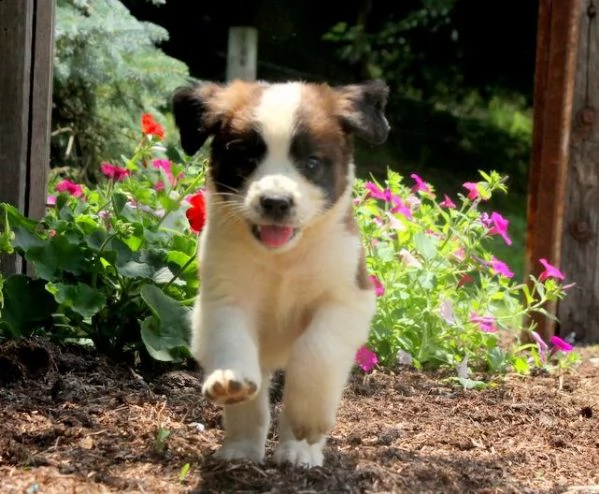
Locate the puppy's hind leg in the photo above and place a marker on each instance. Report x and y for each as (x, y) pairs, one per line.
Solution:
(315, 376)
(246, 427)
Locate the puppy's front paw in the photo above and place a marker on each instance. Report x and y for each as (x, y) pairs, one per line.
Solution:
(300, 453)
(240, 449)
(226, 387)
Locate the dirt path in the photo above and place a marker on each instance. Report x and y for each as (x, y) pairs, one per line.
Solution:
(70, 422)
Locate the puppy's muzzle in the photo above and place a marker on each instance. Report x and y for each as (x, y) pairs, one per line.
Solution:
(277, 207)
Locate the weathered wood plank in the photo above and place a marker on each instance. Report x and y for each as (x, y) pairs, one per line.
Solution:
(242, 53)
(16, 31)
(579, 312)
(554, 88)
(41, 107)
(27, 47)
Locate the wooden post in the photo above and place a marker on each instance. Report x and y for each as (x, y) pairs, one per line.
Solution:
(26, 48)
(557, 44)
(242, 53)
(579, 311)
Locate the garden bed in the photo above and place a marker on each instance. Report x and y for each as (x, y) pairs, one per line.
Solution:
(71, 421)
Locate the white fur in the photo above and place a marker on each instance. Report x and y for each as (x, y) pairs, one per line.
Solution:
(249, 317)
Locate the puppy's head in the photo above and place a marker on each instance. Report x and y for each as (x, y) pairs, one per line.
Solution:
(281, 153)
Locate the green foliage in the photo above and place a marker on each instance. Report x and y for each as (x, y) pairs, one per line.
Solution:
(107, 68)
(115, 264)
(444, 298)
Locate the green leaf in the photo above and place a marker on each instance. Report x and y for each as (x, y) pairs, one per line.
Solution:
(25, 239)
(165, 333)
(471, 383)
(521, 365)
(118, 202)
(144, 264)
(81, 298)
(58, 254)
(27, 305)
(426, 245)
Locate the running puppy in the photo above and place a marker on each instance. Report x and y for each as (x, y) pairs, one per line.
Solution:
(284, 281)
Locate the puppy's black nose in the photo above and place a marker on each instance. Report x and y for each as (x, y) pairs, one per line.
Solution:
(276, 206)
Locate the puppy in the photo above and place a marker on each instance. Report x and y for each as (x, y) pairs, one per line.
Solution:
(283, 277)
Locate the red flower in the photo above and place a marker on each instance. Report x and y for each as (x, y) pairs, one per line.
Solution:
(70, 187)
(196, 214)
(114, 172)
(149, 126)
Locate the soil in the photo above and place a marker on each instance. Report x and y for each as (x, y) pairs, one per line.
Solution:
(72, 421)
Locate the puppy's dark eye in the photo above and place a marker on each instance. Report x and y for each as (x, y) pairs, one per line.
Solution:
(313, 164)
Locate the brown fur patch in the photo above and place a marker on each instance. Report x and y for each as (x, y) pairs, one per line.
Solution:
(318, 118)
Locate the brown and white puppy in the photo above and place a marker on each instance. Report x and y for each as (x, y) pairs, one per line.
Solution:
(283, 276)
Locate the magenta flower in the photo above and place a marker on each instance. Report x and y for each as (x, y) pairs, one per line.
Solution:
(376, 192)
(379, 289)
(166, 166)
(400, 207)
(114, 172)
(420, 184)
(366, 358)
(500, 267)
(447, 202)
(70, 187)
(486, 323)
(560, 344)
(500, 225)
(473, 192)
(550, 271)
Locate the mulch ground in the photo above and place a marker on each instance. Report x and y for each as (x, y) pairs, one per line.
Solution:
(73, 422)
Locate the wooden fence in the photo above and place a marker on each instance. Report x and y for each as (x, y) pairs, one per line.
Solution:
(26, 54)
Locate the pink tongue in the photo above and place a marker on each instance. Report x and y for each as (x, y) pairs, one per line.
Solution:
(275, 236)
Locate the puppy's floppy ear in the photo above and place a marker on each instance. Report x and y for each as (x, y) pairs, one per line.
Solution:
(361, 110)
(194, 115)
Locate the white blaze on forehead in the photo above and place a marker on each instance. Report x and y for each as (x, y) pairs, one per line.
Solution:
(276, 114)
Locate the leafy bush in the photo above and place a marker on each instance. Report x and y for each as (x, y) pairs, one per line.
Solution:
(444, 298)
(116, 265)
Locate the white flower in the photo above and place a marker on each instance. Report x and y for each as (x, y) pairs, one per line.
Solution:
(404, 358)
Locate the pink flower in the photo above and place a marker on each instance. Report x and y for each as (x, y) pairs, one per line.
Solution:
(447, 202)
(159, 186)
(366, 358)
(473, 192)
(486, 323)
(500, 267)
(541, 345)
(166, 166)
(500, 225)
(51, 201)
(420, 184)
(379, 289)
(114, 172)
(376, 192)
(550, 271)
(70, 187)
(408, 258)
(560, 344)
